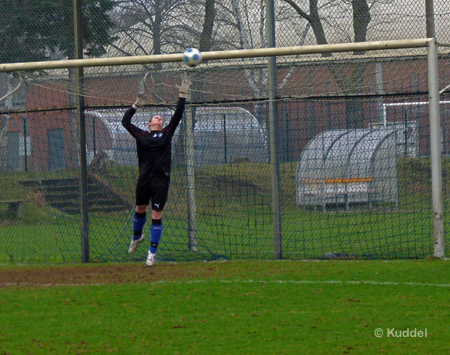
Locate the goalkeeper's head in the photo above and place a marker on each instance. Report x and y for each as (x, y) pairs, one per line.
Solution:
(156, 123)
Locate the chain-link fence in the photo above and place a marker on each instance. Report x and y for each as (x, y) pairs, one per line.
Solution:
(353, 131)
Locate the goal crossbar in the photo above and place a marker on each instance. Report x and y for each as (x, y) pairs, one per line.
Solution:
(215, 55)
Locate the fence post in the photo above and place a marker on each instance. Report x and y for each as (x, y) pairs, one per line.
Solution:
(273, 132)
(429, 14)
(81, 134)
(435, 138)
(190, 172)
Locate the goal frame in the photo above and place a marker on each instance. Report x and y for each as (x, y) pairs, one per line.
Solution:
(433, 95)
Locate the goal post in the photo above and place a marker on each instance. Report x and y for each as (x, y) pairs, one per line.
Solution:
(232, 120)
(435, 137)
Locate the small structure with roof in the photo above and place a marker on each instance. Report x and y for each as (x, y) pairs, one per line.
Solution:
(344, 167)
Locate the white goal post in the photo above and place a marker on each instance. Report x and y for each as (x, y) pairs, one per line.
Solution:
(433, 88)
(436, 166)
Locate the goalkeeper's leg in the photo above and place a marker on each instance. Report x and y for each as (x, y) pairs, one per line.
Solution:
(138, 224)
(158, 199)
(156, 232)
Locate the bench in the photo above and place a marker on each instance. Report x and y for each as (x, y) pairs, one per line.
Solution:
(334, 190)
(15, 207)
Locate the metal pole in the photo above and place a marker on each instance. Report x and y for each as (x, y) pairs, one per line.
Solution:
(225, 138)
(81, 133)
(429, 11)
(25, 141)
(273, 134)
(435, 138)
(406, 133)
(94, 142)
(380, 91)
(190, 172)
(309, 104)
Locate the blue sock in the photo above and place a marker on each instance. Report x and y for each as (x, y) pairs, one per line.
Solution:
(156, 234)
(138, 224)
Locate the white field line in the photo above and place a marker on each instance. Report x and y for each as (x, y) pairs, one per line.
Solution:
(293, 282)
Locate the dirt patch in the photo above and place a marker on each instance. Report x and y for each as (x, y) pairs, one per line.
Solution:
(65, 275)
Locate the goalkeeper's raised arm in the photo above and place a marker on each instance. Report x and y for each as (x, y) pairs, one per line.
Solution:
(176, 118)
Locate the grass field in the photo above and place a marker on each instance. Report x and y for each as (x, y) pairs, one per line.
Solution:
(233, 219)
(305, 235)
(244, 307)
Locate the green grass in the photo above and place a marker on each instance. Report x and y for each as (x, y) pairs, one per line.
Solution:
(306, 235)
(288, 307)
(234, 219)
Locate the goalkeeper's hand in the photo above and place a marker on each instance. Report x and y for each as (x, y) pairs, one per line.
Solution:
(183, 89)
(141, 100)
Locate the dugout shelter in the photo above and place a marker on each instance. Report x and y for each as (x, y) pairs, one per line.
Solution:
(348, 167)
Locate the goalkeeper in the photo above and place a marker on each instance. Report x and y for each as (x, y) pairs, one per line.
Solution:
(154, 156)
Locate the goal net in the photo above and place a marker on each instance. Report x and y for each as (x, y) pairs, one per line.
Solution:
(353, 154)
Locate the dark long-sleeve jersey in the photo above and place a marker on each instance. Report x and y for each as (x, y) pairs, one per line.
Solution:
(154, 148)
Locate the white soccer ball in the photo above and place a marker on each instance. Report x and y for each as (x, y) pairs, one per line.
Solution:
(192, 57)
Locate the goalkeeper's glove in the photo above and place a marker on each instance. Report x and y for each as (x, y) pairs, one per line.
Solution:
(141, 100)
(183, 89)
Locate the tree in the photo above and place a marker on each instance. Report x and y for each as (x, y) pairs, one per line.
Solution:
(256, 78)
(43, 30)
(206, 37)
(18, 41)
(349, 84)
(147, 27)
(40, 30)
(250, 37)
(153, 26)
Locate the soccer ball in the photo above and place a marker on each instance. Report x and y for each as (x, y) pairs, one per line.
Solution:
(192, 57)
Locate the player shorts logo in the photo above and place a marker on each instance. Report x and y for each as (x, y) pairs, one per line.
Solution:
(156, 205)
